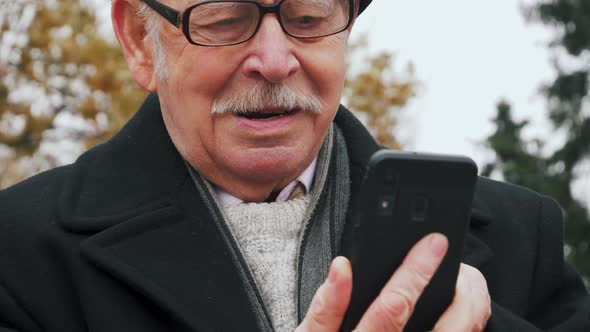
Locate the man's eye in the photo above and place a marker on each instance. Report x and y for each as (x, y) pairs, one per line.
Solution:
(220, 23)
(306, 21)
(226, 22)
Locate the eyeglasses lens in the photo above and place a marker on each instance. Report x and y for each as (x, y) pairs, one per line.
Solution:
(314, 18)
(218, 23)
(224, 23)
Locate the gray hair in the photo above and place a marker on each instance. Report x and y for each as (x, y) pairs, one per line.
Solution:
(152, 21)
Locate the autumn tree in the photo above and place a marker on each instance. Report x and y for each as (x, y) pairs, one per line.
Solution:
(527, 162)
(65, 87)
(377, 92)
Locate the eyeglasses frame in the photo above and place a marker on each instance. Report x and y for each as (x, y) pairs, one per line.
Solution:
(177, 18)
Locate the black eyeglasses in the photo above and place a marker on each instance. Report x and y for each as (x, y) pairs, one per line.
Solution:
(224, 22)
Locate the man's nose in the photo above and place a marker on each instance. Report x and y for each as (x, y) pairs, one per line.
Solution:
(273, 54)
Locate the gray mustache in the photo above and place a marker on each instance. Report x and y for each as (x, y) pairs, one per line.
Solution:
(267, 96)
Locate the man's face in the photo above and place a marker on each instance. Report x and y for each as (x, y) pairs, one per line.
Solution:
(249, 155)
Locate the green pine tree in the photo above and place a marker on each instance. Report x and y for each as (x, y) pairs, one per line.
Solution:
(521, 161)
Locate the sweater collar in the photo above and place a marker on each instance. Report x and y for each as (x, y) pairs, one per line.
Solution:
(306, 179)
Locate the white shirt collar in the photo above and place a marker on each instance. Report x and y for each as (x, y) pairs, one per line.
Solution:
(306, 178)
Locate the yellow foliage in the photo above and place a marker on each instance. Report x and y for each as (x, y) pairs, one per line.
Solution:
(63, 46)
(378, 93)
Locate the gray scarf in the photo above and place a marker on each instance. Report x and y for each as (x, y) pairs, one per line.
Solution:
(323, 225)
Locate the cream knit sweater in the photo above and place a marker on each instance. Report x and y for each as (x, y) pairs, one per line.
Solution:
(268, 236)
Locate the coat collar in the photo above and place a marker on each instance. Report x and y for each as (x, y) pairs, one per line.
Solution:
(134, 197)
(475, 252)
(136, 172)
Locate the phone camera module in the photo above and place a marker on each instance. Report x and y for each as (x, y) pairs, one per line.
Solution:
(385, 205)
(420, 206)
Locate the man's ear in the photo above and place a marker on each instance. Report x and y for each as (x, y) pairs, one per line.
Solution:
(130, 31)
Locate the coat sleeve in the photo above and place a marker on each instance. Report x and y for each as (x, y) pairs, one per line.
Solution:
(559, 300)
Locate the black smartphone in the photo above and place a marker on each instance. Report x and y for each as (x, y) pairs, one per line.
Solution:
(403, 197)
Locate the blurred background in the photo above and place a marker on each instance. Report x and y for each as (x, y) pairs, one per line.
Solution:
(504, 82)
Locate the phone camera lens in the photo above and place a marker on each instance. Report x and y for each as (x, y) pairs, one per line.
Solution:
(385, 205)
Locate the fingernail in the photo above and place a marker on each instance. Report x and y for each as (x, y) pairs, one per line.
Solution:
(335, 268)
(438, 244)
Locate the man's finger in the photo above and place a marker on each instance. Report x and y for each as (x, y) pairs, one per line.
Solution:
(471, 306)
(393, 307)
(329, 303)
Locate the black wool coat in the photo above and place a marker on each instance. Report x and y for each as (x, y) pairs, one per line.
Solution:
(121, 241)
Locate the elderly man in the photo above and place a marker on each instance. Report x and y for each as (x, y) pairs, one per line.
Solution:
(221, 205)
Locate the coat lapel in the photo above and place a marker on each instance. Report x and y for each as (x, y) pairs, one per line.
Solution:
(475, 252)
(180, 262)
(151, 230)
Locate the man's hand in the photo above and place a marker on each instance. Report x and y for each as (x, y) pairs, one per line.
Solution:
(391, 310)
(471, 307)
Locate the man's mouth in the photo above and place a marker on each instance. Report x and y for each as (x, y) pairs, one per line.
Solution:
(267, 115)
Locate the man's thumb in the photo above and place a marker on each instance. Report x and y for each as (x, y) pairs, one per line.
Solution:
(330, 301)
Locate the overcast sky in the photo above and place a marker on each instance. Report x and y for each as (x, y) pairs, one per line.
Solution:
(468, 55)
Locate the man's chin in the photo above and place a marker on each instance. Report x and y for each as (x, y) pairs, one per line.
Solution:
(270, 168)
(269, 165)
